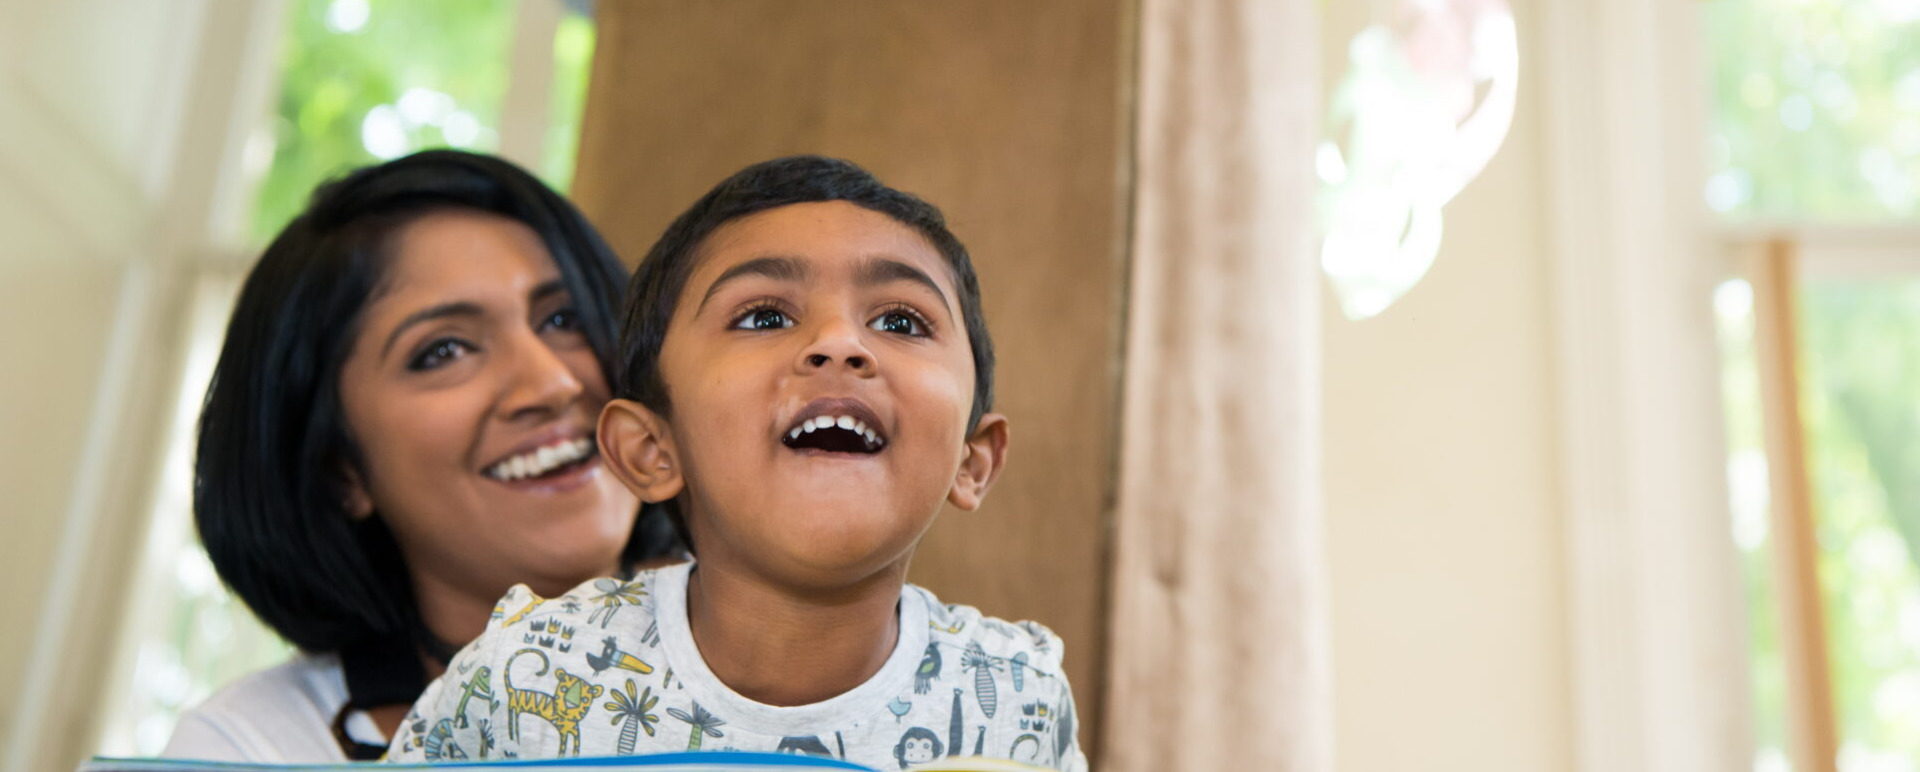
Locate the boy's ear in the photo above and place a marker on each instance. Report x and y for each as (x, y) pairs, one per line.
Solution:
(986, 456)
(640, 451)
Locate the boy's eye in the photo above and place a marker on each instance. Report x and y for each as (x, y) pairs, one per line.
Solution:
(898, 322)
(763, 319)
(438, 353)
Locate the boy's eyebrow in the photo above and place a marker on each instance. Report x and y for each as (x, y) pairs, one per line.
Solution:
(777, 268)
(875, 271)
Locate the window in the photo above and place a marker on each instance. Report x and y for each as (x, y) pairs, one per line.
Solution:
(1815, 108)
(360, 82)
(1815, 153)
(1860, 339)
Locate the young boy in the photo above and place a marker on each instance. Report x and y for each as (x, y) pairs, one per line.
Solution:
(805, 378)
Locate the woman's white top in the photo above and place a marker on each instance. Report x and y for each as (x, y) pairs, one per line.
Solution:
(280, 715)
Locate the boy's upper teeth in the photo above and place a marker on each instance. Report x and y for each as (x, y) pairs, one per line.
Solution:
(542, 460)
(848, 423)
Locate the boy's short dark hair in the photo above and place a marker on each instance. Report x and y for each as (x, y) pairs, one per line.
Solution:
(656, 286)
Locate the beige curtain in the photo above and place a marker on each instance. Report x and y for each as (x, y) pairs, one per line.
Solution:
(1219, 645)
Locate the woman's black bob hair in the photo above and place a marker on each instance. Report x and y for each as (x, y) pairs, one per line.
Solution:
(274, 449)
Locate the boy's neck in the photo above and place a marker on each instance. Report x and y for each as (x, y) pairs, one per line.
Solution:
(784, 649)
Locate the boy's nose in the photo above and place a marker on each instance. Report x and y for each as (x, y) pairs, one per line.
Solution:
(822, 360)
(838, 346)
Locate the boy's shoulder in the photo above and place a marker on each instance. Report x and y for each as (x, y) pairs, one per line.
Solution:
(593, 621)
(962, 627)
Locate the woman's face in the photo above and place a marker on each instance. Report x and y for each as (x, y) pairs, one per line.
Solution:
(472, 394)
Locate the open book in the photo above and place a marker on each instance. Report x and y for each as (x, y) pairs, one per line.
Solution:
(710, 761)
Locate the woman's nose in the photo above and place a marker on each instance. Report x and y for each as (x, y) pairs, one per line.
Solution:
(838, 345)
(539, 381)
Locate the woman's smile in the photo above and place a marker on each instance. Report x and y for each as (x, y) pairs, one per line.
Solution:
(559, 462)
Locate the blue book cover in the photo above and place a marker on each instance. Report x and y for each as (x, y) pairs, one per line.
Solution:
(710, 761)
(705, 761)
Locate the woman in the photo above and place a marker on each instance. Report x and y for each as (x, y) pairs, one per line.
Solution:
(400, 429)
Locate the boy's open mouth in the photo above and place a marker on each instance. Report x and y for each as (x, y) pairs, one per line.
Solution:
(836, 426)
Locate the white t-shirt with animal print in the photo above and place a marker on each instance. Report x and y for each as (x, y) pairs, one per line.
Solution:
(610, 668)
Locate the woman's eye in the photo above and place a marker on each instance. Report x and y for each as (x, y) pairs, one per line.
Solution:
(898, 322)
(567, 319)
(763, 319)
(438, 353)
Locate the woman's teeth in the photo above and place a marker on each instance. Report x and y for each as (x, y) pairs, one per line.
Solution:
(541, 460)
(848, 423)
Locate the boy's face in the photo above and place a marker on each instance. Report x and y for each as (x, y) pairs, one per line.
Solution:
(805, 316)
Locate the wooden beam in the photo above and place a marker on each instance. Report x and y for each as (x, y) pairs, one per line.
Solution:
(1813, 741)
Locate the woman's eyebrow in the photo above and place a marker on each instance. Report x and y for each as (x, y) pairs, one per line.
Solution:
(459, 308)
(776, 268)
(546, 290)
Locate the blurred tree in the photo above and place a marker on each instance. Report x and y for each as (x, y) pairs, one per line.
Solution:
(572, 64)
(1816, 108)
(1861, 362)
(1816, 118)
(365, 80)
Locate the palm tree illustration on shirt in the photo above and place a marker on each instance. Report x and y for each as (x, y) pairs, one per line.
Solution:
(703, 722)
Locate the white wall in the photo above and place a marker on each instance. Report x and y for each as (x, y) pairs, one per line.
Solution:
(1443, 517)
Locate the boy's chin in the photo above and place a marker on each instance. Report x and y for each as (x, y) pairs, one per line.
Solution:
(843, 551)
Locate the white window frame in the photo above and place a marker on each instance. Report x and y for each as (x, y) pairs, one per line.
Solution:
(1655, 608)
(1830, 251)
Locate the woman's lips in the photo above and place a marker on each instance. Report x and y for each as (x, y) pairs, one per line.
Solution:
(558, 480)
(560, 459)
(543, 460)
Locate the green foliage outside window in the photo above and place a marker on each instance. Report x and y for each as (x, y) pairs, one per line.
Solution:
(1816, 108)
(1861, 380)
(572, 63)
(366, 80)
(396, 76)
(1816, 118)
